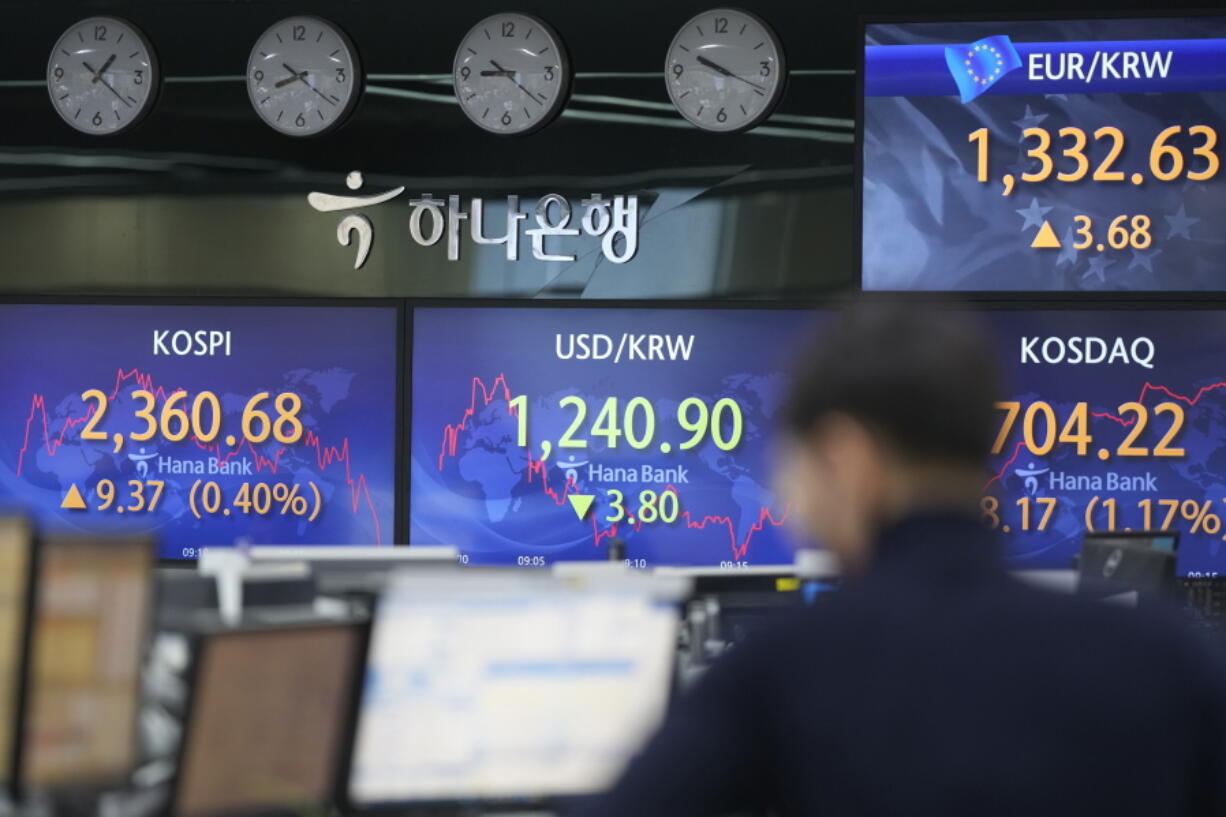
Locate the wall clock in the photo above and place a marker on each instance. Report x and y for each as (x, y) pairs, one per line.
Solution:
(512, 74)
(303, 76)
(725, 70)
(102, 76)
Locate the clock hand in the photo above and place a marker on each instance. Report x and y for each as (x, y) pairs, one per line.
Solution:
(109, 87)
(102, 70)
(301, 77)
(722, 70)
(511, 76)
(507, 74)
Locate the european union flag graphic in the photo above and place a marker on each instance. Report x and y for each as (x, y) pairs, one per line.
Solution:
(980, 65)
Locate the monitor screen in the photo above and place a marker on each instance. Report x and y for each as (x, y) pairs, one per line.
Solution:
(16, 545)
(267, 720)
(90, 623)
(1065, 154)
(550, 432)
(1110, 423)
(202, 424)
(507, 687)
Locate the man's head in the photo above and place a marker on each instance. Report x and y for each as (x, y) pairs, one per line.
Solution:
(891, 412)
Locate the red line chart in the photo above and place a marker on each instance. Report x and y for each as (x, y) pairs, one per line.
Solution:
(326, 456)
(1106, 415)
(481, 395)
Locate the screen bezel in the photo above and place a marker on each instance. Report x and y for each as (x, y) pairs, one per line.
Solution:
(199, 645)
(863, 21)
(399, 515)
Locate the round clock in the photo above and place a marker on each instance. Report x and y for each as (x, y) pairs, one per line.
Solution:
(303, 76)
(102, 76)
(511, 74)
(725, 70)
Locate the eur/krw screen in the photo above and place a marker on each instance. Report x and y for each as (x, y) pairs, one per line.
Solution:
(1044, 154)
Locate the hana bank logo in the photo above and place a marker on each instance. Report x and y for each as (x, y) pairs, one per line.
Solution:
(980, 65)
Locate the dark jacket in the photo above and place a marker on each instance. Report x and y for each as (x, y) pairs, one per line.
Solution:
(936, 685)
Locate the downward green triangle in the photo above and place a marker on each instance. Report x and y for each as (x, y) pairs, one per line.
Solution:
(582, 503)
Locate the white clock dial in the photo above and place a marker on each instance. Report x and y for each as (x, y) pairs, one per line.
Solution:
(511, 74)
(303, 76)
(102, 76)
(725, 70)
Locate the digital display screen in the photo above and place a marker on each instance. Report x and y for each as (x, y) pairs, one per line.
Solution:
(201, 425)
(247, 745)
(90, 623)
(503, 687)
(1113, 422)
(1043, 155)
(545, 433)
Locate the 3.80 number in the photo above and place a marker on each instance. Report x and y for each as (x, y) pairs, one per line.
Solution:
(653, 507)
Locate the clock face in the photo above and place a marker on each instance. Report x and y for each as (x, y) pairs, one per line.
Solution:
(303, 76)
(725, 70)
(511, 74)
(102, 76)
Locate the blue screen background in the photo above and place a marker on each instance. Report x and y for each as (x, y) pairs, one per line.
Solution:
(928, 224)
(486, 499)
(341, 361)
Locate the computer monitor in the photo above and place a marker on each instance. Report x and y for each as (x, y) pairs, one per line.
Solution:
(1113, 564)
(92, 606)
(267, 719)
(16, 576)
(503, 687)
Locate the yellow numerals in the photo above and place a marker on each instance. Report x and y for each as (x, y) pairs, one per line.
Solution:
(1196, 159)
(1042, 430)
(181, 416)
(144, 495)
(653, 507)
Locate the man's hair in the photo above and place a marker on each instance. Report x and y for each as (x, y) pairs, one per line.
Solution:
(924, 380)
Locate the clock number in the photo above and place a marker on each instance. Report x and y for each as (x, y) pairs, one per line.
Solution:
(465, 72)
(97, 120)
(678, 70)
(140, 77)
(506, 117)
(300, 121)
(766, 68)
(258, 76)
(299, 33)
(721, 25)
(721, 116)
(549, 73)
(58, 73)
(340, 74)
(100, 33)
(508, 28)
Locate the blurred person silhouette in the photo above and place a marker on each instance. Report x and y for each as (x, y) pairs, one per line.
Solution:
(931, 683)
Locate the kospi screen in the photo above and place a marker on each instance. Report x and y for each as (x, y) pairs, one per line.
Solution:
(545, 433)
(1043, 155)
(202, 424)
